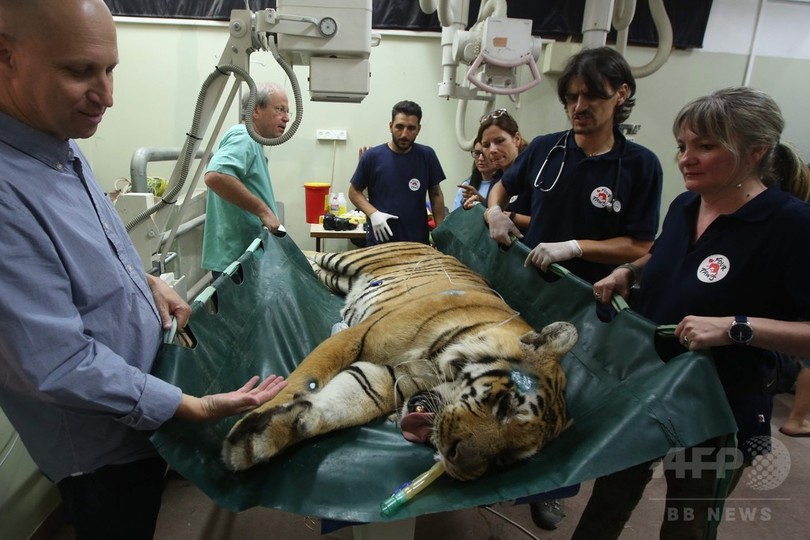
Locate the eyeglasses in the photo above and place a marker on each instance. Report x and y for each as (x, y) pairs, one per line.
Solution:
(493, 115)
(281, 110)
(572, 98)
(476, 154)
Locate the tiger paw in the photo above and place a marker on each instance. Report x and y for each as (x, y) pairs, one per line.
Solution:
(259, 436)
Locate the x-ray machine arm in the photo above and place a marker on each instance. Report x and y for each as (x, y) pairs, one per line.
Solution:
(336, 47)
(496, 46)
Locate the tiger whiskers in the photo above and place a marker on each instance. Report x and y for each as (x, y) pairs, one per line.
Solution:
(417, 380)
(416, 376)
(433, 402)
(406, 376)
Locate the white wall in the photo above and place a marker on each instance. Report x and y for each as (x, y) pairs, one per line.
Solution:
(163, 65)
(781, 28)
(26, 497)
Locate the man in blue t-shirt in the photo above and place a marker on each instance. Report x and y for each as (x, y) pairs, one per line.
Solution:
(398, 176)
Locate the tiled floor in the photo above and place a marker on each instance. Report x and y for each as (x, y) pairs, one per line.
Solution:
(751, 514)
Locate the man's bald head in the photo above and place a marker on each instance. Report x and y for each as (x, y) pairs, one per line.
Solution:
(34, 19)
(56, 64)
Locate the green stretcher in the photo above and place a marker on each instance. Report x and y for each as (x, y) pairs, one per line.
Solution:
(268, 311)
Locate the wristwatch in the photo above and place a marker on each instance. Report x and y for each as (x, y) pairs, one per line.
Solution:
(741, 331)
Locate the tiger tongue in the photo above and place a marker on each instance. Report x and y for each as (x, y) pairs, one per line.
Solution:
(417, 426)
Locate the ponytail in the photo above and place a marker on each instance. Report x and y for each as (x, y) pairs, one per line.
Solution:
(791, 171)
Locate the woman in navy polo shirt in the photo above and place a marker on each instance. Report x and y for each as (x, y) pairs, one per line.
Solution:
(730, 270)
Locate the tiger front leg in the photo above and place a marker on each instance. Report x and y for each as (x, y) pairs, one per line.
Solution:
(357, 395)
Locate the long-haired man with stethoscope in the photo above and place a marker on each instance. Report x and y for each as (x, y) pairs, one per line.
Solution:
(595, 195)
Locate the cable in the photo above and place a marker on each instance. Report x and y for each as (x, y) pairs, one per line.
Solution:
(13, 444)
(515, 524)
(334, 154)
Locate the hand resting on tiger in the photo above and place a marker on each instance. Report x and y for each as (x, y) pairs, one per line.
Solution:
(428, 338)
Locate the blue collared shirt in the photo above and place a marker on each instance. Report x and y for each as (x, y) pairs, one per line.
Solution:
(79, 330)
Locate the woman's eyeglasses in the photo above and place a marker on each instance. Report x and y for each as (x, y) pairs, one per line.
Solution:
(493, 115)
(476, 154)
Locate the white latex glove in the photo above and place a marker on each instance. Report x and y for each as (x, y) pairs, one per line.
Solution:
(545, 254)
(379, 224)
(501, 227)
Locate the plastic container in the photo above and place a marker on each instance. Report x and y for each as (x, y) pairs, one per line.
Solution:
(316, 200)
(334, 206)
(341, 204)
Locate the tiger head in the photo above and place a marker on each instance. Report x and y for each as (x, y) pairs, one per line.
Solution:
(499, 408)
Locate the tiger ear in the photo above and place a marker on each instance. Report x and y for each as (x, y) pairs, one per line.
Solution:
(554, 339)
(532, 339)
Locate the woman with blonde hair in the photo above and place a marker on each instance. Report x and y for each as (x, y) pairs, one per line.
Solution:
(729, 270)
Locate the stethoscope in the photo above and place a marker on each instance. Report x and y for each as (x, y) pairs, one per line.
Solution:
(612, 204)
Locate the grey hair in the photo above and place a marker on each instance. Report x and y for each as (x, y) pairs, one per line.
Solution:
(742, 119)
(264, 91)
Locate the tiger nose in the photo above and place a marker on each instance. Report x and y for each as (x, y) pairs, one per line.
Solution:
(452, 453)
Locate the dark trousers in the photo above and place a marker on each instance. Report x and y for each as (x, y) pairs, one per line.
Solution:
(612, 501)
(116, 501)
(691, 506)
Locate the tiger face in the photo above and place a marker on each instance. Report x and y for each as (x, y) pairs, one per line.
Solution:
(427, 337)
(491, 413)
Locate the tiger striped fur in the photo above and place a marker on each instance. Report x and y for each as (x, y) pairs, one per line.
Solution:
(426, 335)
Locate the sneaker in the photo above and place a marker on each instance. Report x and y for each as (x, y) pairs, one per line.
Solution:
(547, 514)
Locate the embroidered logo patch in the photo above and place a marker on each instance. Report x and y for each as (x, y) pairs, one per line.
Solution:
(601, 197)
(713, 268)
(414, 184)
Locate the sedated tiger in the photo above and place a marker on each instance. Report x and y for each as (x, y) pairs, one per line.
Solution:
(429, 339)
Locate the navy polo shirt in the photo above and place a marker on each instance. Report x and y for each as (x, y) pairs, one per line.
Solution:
(519, 204)
(753, 262)
(575, 206)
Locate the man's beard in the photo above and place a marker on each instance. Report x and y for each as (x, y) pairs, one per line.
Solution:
(403, 144)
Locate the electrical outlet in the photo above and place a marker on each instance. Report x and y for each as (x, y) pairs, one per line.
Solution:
(331, 134)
